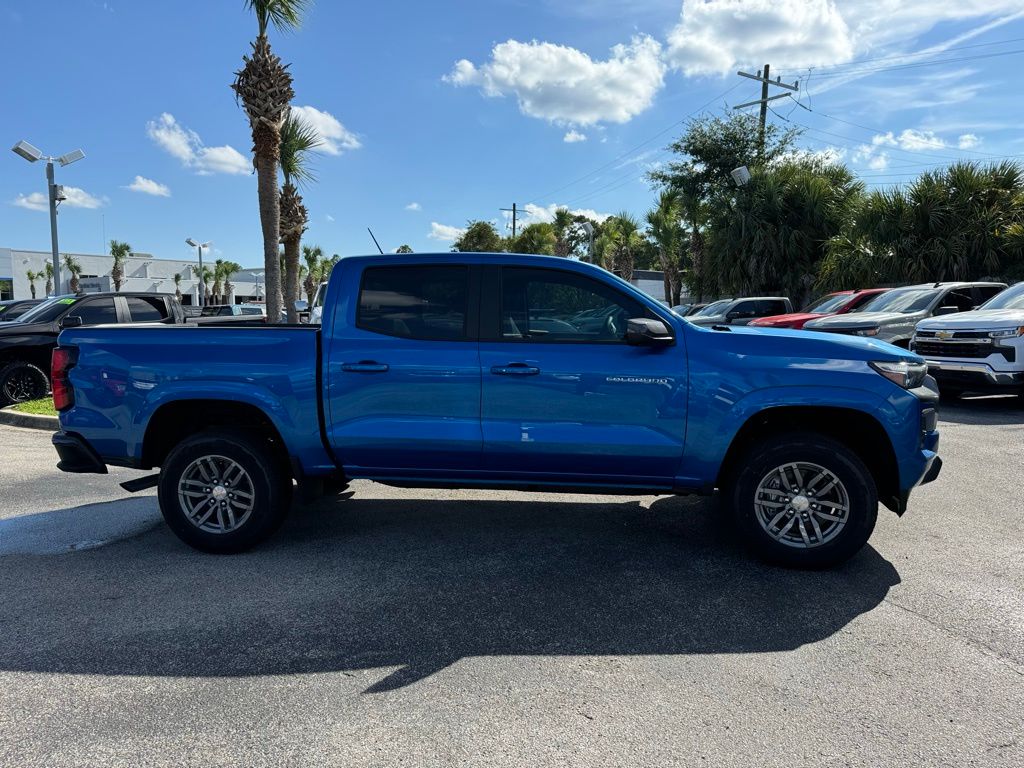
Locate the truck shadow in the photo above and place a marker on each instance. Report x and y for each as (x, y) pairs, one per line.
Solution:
(412, 586)
(988, 410)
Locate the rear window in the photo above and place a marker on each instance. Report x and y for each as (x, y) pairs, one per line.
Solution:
(415, 302)
(146, 309)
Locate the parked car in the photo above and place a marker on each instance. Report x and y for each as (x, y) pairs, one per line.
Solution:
(234, 310)
(838, 303)
(433, 372)
(14, 308)
(978, 351)
(893, 316)
(25, 344)
(685, 310)
(741, 311)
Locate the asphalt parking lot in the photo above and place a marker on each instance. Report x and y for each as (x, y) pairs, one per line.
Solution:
(421, 628)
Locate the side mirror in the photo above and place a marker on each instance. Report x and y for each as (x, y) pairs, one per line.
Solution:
(71, 321)
(644, 332)
(946, 311)
(301, 306)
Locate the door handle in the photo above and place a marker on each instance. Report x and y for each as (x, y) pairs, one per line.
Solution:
(364, 366)
(515, 369)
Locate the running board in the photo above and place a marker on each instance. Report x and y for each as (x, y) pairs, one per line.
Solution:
(141, 483)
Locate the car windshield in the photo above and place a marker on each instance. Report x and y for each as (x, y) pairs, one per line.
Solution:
(713, 309)
(830, 303)
(1011, 298)
(904, 300)
(48, 311)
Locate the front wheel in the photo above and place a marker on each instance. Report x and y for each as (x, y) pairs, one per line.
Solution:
(804, 500)
(224, 492)
(21, 381)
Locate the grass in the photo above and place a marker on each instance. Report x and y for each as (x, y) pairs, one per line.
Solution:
(42, 407)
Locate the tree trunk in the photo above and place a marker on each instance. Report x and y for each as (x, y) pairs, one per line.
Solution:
(292, 251)
(270, 221)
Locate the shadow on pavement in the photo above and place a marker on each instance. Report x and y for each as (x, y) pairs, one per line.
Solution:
(988, 410)
(418, 585)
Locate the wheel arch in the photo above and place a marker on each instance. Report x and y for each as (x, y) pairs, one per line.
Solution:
(860, 431)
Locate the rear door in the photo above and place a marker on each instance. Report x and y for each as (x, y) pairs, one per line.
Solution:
(403, 370)
(565, 398)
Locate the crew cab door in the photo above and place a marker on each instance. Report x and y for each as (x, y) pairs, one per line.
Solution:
(403, 369)
(565, 398)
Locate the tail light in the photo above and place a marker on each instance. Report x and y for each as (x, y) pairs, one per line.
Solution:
(62, 361)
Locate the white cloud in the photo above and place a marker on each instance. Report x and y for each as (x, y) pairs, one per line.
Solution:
(565, 85)
(336, 137)
(149, 187)
(414, 207)
(574, 137)
(910, 139)
(541, 213)
(968, 141)
(185, 144)
(75, 197)
(444, 232)
(879, 162)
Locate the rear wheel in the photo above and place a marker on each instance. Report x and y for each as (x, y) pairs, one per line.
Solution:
(804, 500)
(224, 492)
(21, 381)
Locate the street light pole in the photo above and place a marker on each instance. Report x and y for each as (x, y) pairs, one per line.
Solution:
(202, 283)
(53, 192)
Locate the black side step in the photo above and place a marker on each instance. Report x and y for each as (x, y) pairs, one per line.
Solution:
(141, 483)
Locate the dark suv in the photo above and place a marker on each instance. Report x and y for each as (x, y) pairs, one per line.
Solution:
(26, 343)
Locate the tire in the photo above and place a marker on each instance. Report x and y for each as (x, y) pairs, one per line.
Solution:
(21, 381)
(237, 465)
(811, 529)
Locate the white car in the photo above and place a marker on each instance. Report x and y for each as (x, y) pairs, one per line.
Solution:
(977, 351)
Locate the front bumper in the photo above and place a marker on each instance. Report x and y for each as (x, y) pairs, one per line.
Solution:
(974, 375)
(76, 455)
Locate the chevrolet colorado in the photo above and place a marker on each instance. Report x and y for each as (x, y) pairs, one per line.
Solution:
(502, 371)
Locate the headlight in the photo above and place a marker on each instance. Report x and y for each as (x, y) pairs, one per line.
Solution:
(902, 373)
(867, 332)
(1009, 333)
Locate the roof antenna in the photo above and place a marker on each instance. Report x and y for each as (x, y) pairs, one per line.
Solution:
(375, 241)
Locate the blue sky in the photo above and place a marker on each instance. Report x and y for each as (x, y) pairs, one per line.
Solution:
(440, 112)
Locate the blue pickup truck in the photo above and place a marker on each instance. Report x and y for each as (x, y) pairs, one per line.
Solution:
(502, 371)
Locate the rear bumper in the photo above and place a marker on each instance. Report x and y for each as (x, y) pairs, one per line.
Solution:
(76, 455)
(974, 375)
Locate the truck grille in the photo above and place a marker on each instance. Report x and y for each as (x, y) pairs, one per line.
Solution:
(963, 349)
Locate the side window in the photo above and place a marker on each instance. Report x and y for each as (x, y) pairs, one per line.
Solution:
(861, 299)
(986, 292)
(146, 310)
(960, 298)
(553, 306)
(251, 311)
(96, 311)
(415, 302)
(745, 309)
(770, 307)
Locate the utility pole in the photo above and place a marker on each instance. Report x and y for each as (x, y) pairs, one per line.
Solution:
(514, 210)
(762, 77)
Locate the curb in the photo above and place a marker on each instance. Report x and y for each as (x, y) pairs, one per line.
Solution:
(28, 420)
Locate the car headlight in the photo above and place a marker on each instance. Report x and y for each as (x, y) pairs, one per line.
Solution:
(1009, 333)
(902, 373)
(867, 332)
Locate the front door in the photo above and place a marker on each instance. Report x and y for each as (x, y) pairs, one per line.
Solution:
(565, 398)
(403, 371)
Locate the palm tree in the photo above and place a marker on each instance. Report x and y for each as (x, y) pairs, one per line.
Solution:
(75, 269)
(218, 273)
(206, 275)
(562, 224)
(264, 87)
(120, 252)
(667, 231)
(298, 139)
(48, 274)
(404, 249)
(177, 286)
(313, 256)
(622, 241)
(227, 271)
(32, 277)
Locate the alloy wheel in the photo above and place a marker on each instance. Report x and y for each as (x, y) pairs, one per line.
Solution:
(216, 494)
(802, 505)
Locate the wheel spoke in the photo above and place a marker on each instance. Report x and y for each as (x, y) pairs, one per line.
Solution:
(776, 519)
(817, 528)
(803, 532)
(785, 528)
(772, 504)
(211, 508)
(826, 516)
(832, 505)
(785, 480)
(797, 475)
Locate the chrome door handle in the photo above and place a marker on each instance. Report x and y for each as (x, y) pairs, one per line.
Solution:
(364, 366)
(515, 369)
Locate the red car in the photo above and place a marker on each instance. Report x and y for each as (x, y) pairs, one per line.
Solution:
(838, 303)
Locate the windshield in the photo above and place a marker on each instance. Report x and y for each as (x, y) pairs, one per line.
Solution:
(713, 309)
(902, 300)
(1011, 298)
(831, 303)
(48, 311)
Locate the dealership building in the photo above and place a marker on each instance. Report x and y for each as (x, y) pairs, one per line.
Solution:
(143, 272)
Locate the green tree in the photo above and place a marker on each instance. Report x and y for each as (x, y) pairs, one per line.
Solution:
(177, 286)
(48, 274)
(664, 223)
(313, 256)
(32, 277)
(74, 268)
(619, 245)
(264, 88)
(479, 237)
(298, 140)
(120, 252)
(223, 272)
(538, 238)
(404, 249)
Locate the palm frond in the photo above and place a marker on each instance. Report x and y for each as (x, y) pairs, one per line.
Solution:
(298, 140)
(282, 15)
